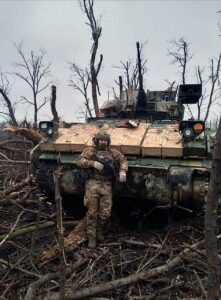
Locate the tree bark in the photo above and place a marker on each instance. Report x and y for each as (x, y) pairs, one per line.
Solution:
(53, 104)
(34, 286)
(211, 221)
(28, 229)
(35, 124)
(25, 230)
(10, 109)
(60, 231)
(96, 33)
(120, 86)
(94, 79)
(16, 186)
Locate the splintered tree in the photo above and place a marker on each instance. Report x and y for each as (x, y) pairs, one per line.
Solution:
(96, 29)
(34, 72)
(4, 91)
(53, 104)
(179, 51)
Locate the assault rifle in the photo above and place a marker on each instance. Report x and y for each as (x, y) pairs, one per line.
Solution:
(108, 168)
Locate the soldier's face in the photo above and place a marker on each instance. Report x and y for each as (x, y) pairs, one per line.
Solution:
(102, 143)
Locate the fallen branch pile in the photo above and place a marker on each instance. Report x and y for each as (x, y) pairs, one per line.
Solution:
(163, 263)
(14, 158)
(128, 265)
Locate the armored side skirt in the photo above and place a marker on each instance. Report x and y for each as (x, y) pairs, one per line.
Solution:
(151, 181)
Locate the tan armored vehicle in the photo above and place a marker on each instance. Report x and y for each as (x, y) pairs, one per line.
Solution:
(169, 158)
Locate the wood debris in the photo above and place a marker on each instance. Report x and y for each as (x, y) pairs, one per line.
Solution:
(166, 261)
(28, 133)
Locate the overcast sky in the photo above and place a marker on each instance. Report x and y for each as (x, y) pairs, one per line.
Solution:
(59, 27)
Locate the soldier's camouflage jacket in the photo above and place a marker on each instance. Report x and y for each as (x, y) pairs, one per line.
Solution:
(112, 156)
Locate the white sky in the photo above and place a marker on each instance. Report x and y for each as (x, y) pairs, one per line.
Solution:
(59, 27)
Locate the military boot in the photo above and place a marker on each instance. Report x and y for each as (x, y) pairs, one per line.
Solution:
(92, 243)
(100, 235)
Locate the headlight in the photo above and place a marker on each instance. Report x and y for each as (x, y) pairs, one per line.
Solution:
(188, 132)
(47, 128)
(191, 128)
(49, 131)
(43, 126)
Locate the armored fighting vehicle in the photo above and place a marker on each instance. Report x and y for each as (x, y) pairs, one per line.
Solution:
(169, 158)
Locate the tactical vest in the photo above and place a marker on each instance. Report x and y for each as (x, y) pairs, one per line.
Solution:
(108, 171)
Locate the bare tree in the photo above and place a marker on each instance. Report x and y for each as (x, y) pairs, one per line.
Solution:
(129, 75)
(214, 92)
(96, 29)
(180, 53)
(79, 80)
(34, 73)
(210, 97)
(130, 72)
(4, 91)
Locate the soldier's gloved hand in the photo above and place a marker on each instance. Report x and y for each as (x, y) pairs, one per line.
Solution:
(122, 176)
(98, 166)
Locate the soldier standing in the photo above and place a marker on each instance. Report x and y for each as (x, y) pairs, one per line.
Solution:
(99, 163)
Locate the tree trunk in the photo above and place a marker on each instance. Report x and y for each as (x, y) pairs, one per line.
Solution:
(96, 33)
(211, 221)
(94, 79)
(60, 231)
(35, 125)
(29, 133)
(10, 109)
(53, 104)
(121, 87)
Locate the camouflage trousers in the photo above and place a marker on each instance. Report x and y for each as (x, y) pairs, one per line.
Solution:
(98, 200)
